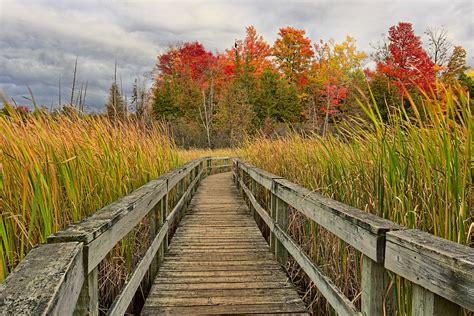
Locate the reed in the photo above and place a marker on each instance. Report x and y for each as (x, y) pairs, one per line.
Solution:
(58, 169)
(415, 169)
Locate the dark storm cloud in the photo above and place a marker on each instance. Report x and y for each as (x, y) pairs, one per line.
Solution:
(39, 40)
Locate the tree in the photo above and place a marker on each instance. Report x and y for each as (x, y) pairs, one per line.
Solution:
(115, 105)
(438, 45)
(277, 99)
(456, 64)
(235, 114)
(255, 51)
(408, 65)
(293, 54)
(336, 68)
(468, 83)
(138, 98)
(164, 105)
(381, 51)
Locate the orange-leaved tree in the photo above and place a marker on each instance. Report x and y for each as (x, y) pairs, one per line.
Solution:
(293, 54)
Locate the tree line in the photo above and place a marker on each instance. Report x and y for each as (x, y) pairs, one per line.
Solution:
(218, 99)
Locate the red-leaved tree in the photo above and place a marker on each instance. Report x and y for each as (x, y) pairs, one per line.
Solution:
(407, 65)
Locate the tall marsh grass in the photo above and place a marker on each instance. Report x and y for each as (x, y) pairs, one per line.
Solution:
(55, 170)
(415, 169)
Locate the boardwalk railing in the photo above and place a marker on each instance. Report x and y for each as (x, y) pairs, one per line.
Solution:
(442, 272)
(61, 277)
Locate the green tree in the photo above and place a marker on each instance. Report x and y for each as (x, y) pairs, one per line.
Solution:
(277, 99)
(115, 106)
(164, 101)
(456, 64)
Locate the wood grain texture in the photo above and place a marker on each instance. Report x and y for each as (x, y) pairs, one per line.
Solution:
(46, 282)
(219, 263)
(362, 230)
(341, 304)
(439, 265)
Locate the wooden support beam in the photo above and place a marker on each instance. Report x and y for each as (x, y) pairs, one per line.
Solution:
(426, 303)
(88, 302)
(281, 218)
(374, 282)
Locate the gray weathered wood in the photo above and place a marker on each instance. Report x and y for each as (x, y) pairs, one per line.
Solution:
(374, 282)
(364, 231)
(88, 301)
(164, 214)
(218, 260)
(139, 201)
(426, 303)
(341, 304)
(103, 230)
(262, 177)
(46, 282)
(281, 217)
(121, 302)
(441, 266)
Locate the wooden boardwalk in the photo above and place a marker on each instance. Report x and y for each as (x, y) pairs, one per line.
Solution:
(219, 263)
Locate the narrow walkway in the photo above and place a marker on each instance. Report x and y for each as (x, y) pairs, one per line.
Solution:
(219, 263)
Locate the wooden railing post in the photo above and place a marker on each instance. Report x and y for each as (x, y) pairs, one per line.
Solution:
(374, 281)
(154, 228)
(164, 213)
(273, 211)
(281, 217)
(427, 303)
(240, 178)
(253, 189)
(88, 301)
(179, 192)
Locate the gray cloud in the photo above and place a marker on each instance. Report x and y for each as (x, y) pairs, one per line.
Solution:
(39, 40)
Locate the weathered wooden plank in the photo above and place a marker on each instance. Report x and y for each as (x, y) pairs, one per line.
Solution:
(172, 266)
(223, 300)
(222, 248)
(46, 282)
(88, 301)
(262, 177)
(360, 229)
(341, 304)
(220, 279)
(227, 309)
(221, 256)
(373, 283)
(223, 286)
(132, 207)
(98, 248)
(355, 227)
(231, 256)
(177, 274)
(121, 302)
(439, 265)
(229, 292)
(217, 251)
(426, 303)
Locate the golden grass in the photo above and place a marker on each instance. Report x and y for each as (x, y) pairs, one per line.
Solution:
(414, 170)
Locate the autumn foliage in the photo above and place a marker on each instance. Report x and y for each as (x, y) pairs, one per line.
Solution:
(408, 64)
(254, 86)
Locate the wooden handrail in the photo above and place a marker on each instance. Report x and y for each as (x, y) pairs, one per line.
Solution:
(45, 282)
(54, 276)
(442, 271)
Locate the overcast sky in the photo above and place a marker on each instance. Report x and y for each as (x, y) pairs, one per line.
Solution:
(40, 39)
